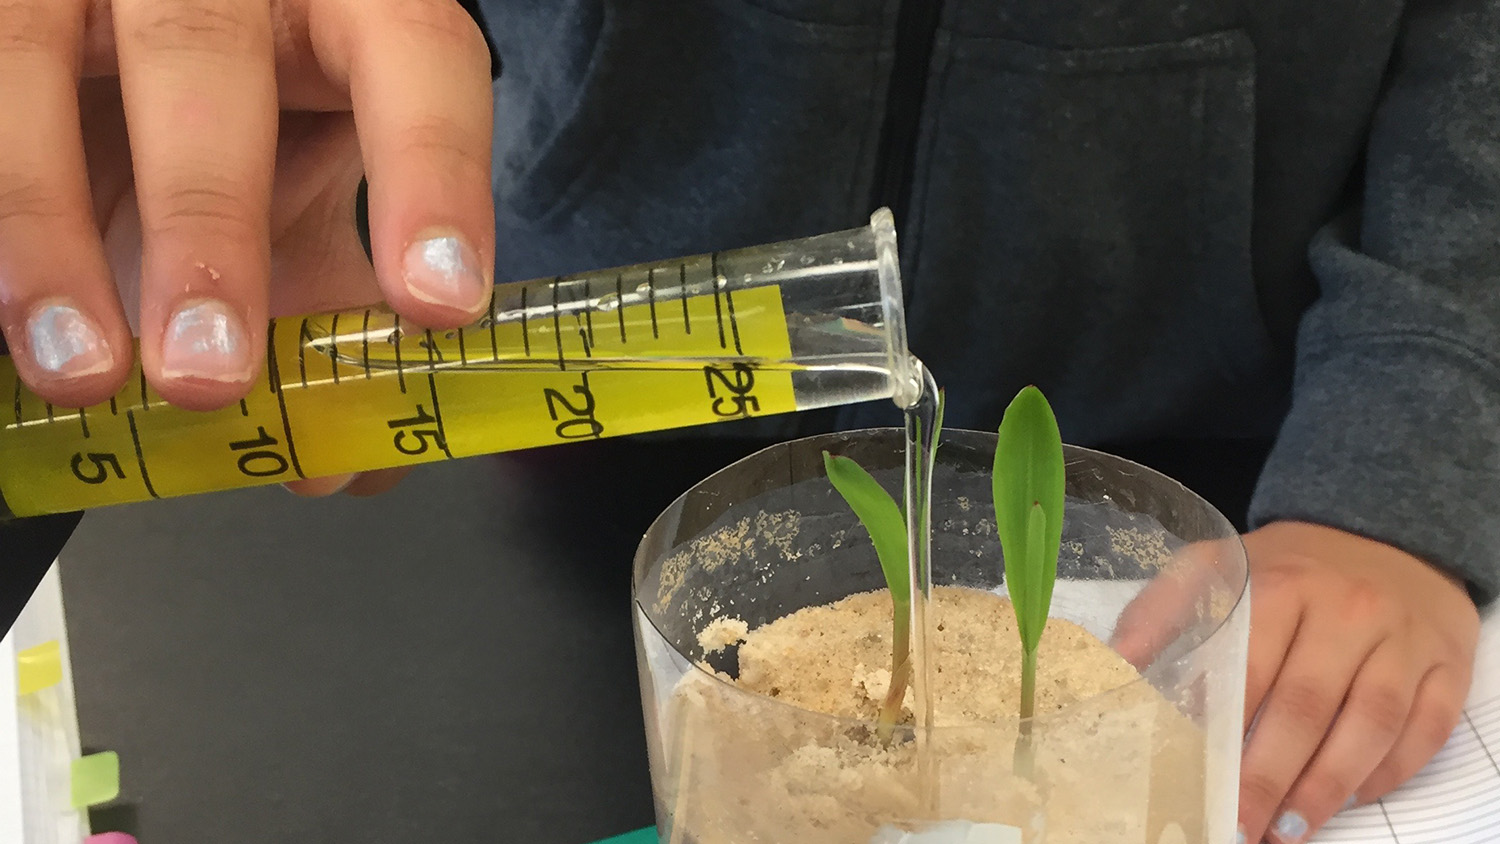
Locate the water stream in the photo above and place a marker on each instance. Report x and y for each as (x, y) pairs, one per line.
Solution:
(922, 434)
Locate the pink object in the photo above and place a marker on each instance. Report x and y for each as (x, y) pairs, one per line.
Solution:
(110, 838)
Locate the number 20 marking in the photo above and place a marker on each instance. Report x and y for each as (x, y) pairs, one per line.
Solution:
(577, 423)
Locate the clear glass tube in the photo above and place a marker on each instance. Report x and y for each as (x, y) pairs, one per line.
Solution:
(836, 314)
(1150, 756)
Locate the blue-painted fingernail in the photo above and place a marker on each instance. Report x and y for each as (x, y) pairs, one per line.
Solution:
(206, 339)
(67, 343)
(1239, 836)
(1350, 803)
(1291, 827)
(445, 270)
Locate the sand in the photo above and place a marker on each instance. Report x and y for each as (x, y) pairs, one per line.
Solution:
(1119, 765)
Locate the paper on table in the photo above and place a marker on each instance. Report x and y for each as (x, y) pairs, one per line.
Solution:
(38, 732)
(1456, 798)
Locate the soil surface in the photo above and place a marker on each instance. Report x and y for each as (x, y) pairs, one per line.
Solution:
(1114, 761)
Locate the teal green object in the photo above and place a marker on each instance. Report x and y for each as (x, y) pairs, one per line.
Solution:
(640, 836)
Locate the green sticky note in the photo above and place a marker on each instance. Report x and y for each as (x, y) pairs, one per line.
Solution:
(96, 779)
(39, 668)
(640, 836)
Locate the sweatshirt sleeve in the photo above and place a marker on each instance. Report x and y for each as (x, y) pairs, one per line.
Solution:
(1394, 427)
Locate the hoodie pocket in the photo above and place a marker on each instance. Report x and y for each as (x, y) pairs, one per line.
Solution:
(1082, 219)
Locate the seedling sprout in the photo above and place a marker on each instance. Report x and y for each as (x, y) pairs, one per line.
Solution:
(1028, 485)
(1028, 482)
(886, 524)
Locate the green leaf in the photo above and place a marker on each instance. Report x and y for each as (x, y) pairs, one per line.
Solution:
(1036, 546)
(1028, 491)
(881, 516)
(886, 524)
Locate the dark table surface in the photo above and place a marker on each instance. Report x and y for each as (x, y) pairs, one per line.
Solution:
(452, 661)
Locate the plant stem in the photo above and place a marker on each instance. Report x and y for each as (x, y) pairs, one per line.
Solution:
(1023, 755)
(1028, 684)
(890, 710)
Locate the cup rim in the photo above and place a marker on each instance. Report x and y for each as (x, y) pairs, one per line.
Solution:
(1242, 585)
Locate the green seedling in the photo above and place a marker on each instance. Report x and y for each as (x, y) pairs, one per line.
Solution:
(878, 512)
(886, 524)
(1028, 485)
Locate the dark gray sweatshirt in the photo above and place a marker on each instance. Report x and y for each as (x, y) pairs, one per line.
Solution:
(1223, 219)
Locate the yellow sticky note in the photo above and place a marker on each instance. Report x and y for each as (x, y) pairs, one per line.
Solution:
(39, 668)
(95, 779)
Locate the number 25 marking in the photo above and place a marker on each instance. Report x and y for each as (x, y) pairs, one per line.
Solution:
(738, 402)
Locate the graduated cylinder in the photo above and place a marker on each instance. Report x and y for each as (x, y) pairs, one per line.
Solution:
(769, 329)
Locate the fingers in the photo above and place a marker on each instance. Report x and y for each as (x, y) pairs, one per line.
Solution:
(199, 88)
(1276, 613)
(320, 487)
(360, 485)
(1378, 652)
(1435, 712)
(1153, 619)
(320, 264)
(1301, 705)
(1174, 601)
(418, 75)
(66, 331)
(377, 483)
(1374, 714)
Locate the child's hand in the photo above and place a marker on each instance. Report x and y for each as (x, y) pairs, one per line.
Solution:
(208, 163)
(1360, 661)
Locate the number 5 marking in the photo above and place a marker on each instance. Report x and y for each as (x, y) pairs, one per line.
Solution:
(102, 464)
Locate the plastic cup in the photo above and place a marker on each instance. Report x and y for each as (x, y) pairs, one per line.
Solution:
(1146, 566)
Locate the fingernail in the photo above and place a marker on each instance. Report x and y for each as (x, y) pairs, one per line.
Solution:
(444, 270)
(66, 343)
(1291, 827)
(205, 340)
(1350, 803)
(1239, 835)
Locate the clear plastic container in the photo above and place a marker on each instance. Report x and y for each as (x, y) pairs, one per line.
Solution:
(1149, 756)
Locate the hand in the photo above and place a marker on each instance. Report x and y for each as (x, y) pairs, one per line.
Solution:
(1360, 660)
(206, 165)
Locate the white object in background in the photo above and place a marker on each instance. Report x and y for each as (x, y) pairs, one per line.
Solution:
(38, 733)
(953, 832)
(1456, 798)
